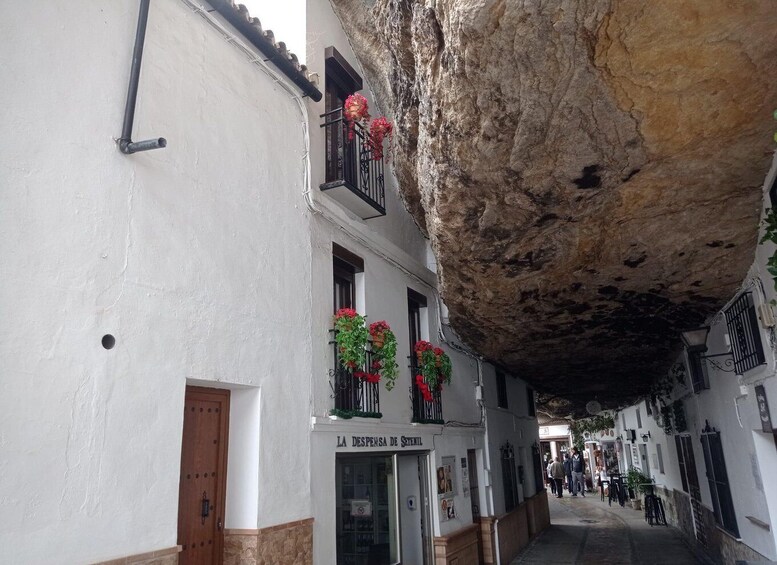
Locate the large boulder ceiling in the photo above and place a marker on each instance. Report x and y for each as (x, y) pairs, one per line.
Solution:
(588, 172)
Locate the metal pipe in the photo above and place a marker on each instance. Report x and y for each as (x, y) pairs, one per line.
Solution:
(126, 145)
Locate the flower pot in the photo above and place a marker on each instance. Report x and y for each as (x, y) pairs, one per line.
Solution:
(420, 356)
(378, 341)
(636, 504)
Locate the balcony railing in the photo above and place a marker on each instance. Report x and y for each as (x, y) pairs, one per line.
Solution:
(353, 176)
(424, 412)
(354, 396)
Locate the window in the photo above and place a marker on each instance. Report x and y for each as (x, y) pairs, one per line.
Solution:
(509, 477)
(415, 303)
(648, 408)
(623, 420)
(718, 480)
(530, 399)
(639, 419)
(345, 266)
(660, 456)
(341, 81)
(501, 390)
(773, 194)
(682, 458)
(698, 371)
(744, 334)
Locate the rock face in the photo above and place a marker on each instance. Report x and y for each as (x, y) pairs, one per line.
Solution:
(588, 171)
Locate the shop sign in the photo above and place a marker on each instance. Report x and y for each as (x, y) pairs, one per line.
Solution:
(372, 442)
(763, 409)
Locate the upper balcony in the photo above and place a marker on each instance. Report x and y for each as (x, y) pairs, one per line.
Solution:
(354, 176)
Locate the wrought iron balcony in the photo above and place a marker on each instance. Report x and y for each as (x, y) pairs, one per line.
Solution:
(424, 412)
(354, 396)
(354, 178)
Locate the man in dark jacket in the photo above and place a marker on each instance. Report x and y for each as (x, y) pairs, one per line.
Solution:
(578, 468)
(568, 471)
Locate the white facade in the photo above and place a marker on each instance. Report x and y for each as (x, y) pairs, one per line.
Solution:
(729, 405)
(210, 262)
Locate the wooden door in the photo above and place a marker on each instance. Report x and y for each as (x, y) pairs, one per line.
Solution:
(202, 492)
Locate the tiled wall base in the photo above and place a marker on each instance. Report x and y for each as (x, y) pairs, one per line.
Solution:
(167, 556)
(458, 548)
(284, 544)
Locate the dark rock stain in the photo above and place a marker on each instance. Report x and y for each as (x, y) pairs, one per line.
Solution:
(589, 179)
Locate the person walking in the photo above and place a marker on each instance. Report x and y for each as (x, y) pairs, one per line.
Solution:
(568, 471)
(557, 472)
(578, 468)
(550, 477)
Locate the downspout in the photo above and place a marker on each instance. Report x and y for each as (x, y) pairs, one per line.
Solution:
(126, 145)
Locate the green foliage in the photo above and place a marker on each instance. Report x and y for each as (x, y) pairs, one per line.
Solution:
(351, 337)
(591, 425)
(666, 419)
(678, 413)
(662, 387)
(386, 355)
(770, 234)
(637, 481)
(436, 369)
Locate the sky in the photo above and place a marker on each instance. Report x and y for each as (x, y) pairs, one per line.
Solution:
(286, 18)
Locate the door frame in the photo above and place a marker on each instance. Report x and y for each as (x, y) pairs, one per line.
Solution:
(220, 394)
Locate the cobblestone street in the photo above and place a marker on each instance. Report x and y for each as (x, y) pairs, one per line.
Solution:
(586, 530)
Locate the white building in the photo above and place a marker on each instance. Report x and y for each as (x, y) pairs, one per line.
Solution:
(710, 446)
(169, 376)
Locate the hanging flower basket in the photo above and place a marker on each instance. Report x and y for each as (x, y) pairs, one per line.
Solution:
(351, 337)
(384, 352)
(434, 366)
(356, 111)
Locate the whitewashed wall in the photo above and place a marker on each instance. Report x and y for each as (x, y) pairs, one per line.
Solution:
(751, 457)
(196, 257)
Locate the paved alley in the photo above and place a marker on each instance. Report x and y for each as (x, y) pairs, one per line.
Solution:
(586, 530)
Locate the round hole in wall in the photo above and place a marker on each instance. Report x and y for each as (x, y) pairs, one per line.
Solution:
(108, 341)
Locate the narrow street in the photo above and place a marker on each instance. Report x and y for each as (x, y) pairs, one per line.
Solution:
(586, 530)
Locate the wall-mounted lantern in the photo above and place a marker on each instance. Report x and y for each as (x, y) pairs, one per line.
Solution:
(646, 436)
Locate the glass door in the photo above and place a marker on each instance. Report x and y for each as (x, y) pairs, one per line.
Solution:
(366, 510)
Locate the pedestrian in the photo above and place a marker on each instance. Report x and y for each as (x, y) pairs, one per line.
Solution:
(550, 477)
(568, 471)
(557, 472)
(578, 468)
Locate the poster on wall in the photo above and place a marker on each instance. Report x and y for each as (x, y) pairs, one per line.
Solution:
(464, 477)
(635, 457)
(446, 477)
(447, 509)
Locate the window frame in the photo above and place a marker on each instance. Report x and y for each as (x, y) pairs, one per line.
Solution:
(717, 477)
(501, 390)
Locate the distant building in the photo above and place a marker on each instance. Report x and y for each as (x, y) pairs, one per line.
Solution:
(710, 443)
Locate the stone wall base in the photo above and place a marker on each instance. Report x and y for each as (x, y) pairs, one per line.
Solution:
(167, 556)
(718, 546)
(516, 529)
(284, 544)
(458, 548)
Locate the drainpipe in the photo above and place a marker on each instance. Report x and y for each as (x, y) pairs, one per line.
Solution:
(126, 145)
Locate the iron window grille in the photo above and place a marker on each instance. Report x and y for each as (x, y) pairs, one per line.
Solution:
(539, 475)
(698, 371)
(717, 476)
(353, 395)
(509, 476)
(744, 333)
(501, 390)
(351, 162)
(424, 412)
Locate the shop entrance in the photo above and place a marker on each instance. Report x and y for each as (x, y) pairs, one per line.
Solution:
(383, 510)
